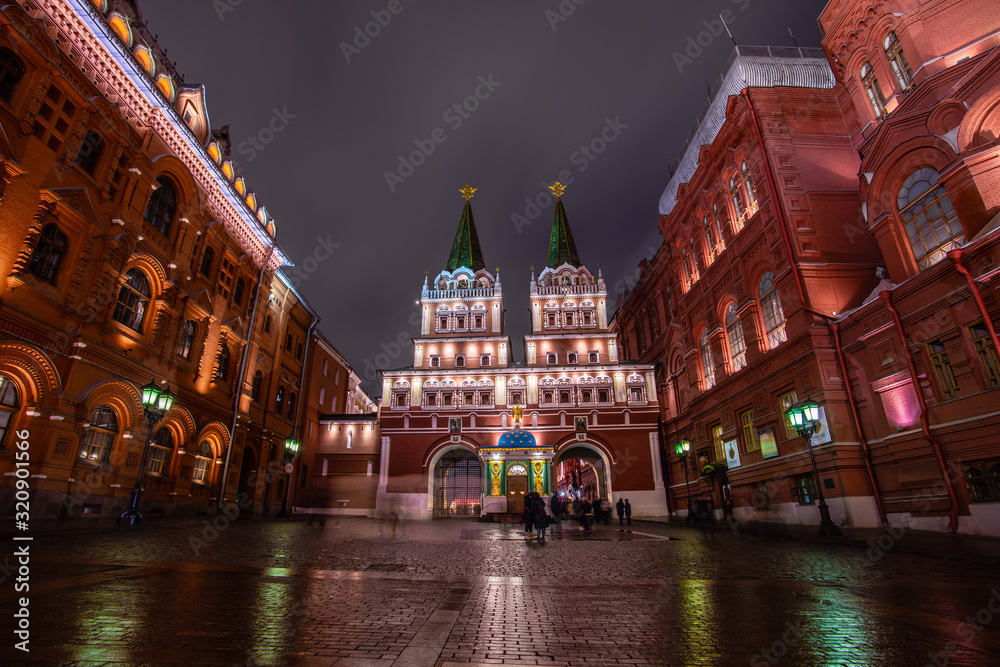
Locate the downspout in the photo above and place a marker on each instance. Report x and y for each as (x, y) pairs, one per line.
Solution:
(857, 423)
(780, 211)
(956, 258)
(886, 296)
(242, 377)
(302, 397)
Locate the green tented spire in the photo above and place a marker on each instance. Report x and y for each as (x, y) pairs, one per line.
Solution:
(562, 247)
(465, 250)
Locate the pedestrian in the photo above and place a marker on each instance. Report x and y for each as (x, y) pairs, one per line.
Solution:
(621, 512)
(587, 510)
(628, 512)
(529, 516)
(541, 519)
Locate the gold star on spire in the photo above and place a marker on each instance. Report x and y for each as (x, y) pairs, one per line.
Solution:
(558, 188)
(467, 191)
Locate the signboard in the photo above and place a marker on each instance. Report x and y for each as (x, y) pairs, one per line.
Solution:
(768, 446)
(732, 450)
(822, 434)
(289, 468)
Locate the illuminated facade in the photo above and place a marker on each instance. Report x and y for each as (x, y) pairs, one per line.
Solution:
(450, 441)
(821, 229)
(133, 252)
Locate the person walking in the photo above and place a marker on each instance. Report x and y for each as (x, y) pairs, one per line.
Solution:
(588, 515)
(621, 512)
(541, 519)
(529, 517)
(628, 512)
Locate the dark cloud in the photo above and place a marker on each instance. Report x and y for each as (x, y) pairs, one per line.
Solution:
(555, 80)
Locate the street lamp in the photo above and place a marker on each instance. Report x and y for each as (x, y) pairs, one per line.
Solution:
(683, 448)
(156, 402)
(805, 419)
(291, 449)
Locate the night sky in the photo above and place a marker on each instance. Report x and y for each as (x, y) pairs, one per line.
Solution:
(550, 77)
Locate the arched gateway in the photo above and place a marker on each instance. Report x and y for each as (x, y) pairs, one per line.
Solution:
(466, 405)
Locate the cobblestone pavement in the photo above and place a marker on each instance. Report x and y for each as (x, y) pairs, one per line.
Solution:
(459, 592)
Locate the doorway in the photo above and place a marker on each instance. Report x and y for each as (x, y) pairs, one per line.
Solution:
(458, 481)
(517, 488)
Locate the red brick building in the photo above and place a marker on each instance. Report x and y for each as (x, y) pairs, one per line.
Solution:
(133, 253)
(450, 441)
(806, 232)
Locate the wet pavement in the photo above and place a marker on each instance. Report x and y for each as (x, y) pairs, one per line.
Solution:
(459, 592)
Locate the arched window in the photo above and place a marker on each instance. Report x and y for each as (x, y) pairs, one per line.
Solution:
(238, 292)
(267, 323)
(770, 307)
(133, 299)
(897, 60)
(748, 183)
(707, 359)
(222, 364)
(291, 405)
(737, 197)
(258, 381)
(734, 332)
(162, 206)
(928, 217)
(90, 152)
(872, 89)
(717, 221)
(279, 400)
(203, 463)
(48, 254)
(186, 340)
(711, 241)
(11, 71)
(100, 435)
(10, 402)
(160, 451)
(206, 262)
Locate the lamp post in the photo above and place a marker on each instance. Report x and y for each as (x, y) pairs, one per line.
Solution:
(805, 419)
(291, 449)
(683, 448)
(156, 402)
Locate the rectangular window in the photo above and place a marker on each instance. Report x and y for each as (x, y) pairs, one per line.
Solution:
(484, 360)
(804, 489)
(515, 398)
(447, 399)
(431, 399)
(571, 358)
(226, 277)
(604, 396)
(987, 353)
(469, 399)
(593, 357)
(982, 478)
(326, 367)
(309, 429)
(336, 376)
(288, 342)
(551, 358)
(942, 369)
(459, 361)
(587, 395)
(322, 395)
(717, 451)
(435, 361)
(751, 441)
(786, 401)
(547, 397)
(479, 322)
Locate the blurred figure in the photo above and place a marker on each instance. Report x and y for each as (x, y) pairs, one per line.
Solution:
(621, 512)
(318, 502)
(393, 516)
(628, 512)
(540, 518)
(587, 510)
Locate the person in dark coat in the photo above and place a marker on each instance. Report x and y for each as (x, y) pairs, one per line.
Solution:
(529, 517)
(541, 519)
(628, 512)
(587, 509)
(621, 512)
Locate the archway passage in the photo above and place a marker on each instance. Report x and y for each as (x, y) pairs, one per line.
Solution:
(580, 472)
(458, 483)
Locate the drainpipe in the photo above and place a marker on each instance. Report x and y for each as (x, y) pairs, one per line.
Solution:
(886, 296)
(780, 211)
(857, 424)
(242, 376)
(303, 394)
(956, 258)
